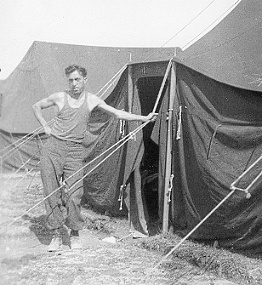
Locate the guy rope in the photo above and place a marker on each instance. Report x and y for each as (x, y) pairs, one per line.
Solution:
(120, 142)
(12, 148)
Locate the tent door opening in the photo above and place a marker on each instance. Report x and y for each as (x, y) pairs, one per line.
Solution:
(148, 88)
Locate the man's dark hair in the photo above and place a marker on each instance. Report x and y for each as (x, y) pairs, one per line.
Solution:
(74, 67)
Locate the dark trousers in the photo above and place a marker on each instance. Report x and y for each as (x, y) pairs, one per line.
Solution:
(61, 160)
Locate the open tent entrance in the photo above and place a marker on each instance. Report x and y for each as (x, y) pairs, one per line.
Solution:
(148, 88)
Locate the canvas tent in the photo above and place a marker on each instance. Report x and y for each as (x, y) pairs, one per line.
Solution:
(215, 135)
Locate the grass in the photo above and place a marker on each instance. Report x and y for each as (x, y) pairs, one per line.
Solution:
(221, 262)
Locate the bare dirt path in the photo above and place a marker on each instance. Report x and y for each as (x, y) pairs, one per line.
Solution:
(24, 260)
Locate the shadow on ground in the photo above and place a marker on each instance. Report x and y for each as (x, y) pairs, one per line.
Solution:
(43, 234)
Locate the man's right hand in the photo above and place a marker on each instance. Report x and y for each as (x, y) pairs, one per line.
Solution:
(152, 116)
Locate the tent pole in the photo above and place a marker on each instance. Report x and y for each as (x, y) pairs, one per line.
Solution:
(168, 162)
(129, 109)
(130, 88)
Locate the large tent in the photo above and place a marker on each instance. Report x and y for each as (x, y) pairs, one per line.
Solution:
(215, 134)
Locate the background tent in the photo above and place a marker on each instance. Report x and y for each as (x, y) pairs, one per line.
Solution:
(41, 72)
(217, 131)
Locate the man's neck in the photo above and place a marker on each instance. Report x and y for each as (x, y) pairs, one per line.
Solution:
(77, 96)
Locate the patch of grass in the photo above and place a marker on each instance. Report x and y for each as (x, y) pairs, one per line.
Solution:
(218, 261)
(104, 224)
(221, 262)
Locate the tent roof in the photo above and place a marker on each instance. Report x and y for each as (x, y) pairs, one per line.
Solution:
(41, 73)
(231, 52)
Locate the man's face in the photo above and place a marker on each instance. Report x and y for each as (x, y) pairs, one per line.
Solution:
(76, 82)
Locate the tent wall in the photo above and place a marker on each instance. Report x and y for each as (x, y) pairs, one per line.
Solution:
(221, 137)
(103, 182)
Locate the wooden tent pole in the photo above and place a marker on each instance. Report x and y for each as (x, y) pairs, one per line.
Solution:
(130, 88)
(130, 91)
(168, 162)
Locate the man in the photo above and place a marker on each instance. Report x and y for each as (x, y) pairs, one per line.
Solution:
(62, 155)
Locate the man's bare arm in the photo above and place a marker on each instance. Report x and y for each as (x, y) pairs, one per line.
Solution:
(123, 115)
(52, 100)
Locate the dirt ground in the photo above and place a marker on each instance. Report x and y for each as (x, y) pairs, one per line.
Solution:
(110, 255)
